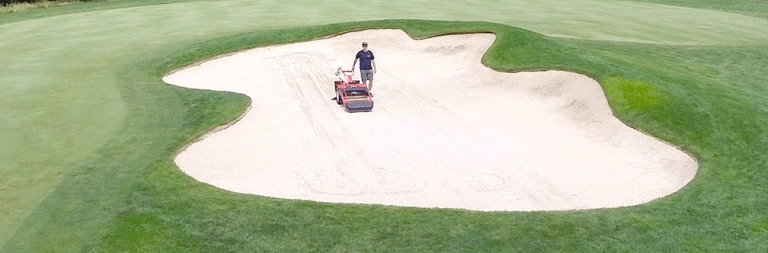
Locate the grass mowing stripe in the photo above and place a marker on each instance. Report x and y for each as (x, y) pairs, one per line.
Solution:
(590, 19)
(751, 8)
(74, 215)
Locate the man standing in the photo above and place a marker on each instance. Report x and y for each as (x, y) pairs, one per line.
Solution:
(367, 65)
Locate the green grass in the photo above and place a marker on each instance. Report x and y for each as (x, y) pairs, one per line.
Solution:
(89, 129)
(753, 8)
(591, 19)
(631, 95)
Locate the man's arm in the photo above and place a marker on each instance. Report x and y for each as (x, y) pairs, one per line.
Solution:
(373, 63)
(357, 56)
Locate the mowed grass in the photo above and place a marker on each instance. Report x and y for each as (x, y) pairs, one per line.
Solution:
(638, 20)
(753, 8)
(90, 131)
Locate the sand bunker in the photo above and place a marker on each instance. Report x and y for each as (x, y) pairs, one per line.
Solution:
(445, 131)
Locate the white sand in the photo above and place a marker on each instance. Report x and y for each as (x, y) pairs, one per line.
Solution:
(445, 131)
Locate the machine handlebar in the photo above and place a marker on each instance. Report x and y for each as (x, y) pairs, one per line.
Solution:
(346, 73)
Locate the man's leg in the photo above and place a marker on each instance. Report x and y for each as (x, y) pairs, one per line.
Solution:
(367, 76)
(370, 79)
(363, 76)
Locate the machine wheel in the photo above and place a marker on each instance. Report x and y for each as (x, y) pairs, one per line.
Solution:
(338, 97)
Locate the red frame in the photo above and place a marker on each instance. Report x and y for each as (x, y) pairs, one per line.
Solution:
(342, 97)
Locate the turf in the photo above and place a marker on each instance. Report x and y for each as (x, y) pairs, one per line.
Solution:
(89, 129)
(592, 19)
(753, 8)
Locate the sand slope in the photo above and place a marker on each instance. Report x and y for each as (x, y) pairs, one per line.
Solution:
(445, 131)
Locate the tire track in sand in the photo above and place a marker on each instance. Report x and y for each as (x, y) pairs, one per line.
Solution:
(352, 172)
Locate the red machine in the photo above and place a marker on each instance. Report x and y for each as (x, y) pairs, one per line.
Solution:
(351, 93)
